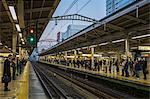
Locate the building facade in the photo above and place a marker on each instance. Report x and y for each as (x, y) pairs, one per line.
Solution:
(71, 30)
(114, 5)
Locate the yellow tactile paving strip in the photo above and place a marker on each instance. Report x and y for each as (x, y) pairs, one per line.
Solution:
(24, 84)
(131, 79)
(18, 87)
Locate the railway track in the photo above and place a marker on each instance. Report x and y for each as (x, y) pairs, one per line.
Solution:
(53, 91)
(85, 85)
(55, 88)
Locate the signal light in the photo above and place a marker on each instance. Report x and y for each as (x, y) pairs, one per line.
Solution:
(31, 39)
(31, 30)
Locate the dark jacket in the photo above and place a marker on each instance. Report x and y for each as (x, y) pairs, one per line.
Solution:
(126, 65)
(138, 66)
(7, 68)
(13, 66)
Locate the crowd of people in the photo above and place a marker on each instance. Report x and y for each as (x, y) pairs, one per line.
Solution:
(9, 74)
(124, 67)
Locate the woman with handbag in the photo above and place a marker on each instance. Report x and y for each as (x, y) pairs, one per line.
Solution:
(7, 73)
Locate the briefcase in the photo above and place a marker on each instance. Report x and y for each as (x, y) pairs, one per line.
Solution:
(6, 79)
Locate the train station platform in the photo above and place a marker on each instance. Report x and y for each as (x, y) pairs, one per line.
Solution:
(26, 85)
(128, 81)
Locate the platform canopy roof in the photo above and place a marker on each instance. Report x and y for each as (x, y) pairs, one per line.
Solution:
(28, 12)
(130, 22)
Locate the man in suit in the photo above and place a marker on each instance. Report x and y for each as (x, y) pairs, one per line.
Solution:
(7, 71)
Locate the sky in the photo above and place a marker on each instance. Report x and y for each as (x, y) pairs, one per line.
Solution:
(95, 9)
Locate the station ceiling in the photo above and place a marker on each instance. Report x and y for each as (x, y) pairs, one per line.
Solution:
(28, 12)
(129, 22)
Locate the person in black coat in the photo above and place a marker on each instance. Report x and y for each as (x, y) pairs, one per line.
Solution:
(7, 71)
(14, 68)
(144, 67)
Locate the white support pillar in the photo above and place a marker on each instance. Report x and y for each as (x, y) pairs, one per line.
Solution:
(75, 55)
(20, 53)
(59, 56)
(92, 57)
(127, 46)
(66, 55)
(14, 41)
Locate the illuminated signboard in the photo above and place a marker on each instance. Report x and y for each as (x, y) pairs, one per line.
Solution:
(144, 48)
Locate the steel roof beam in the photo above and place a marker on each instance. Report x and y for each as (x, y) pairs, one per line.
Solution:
(5, 24)
(8, 13)
(115, 27)
(20, 9)
(31, 9)
(42, 9)
(37, 9)
(135, 19)
(41, 20)
(6, 30)
(51, 12)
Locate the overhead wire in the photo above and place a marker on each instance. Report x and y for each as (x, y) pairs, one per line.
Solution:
(77, 11)
(69, 8)
(66, 11)
(84, 6)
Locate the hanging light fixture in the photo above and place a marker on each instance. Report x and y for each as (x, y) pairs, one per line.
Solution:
(13, 13)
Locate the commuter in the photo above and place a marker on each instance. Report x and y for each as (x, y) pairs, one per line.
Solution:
(126, 68)
(134, 63)
(74, 63)
(13, 65)
(117, 66)
(90, 64)
(144, 68)
(113, 66)
(96, 64)
(131, 66)
(20, 66)
(82, 63)
(78, 63)
(99, 65)
(86, 64)
(7, 73)
(123, 66)
(110, 65)
(138, 68)
(17, 64)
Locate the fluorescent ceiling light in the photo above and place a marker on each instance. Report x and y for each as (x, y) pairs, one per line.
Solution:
(93, 46)
(6, 46)
(78, 48)
(69, 51)
(103, 44)
(110, 52)
(13, 13)
(18, 28)
(1, 43)
(84, 47)
(20, 34)
(117, 41)
(134, 48)
(23, 42)
(137, 37)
